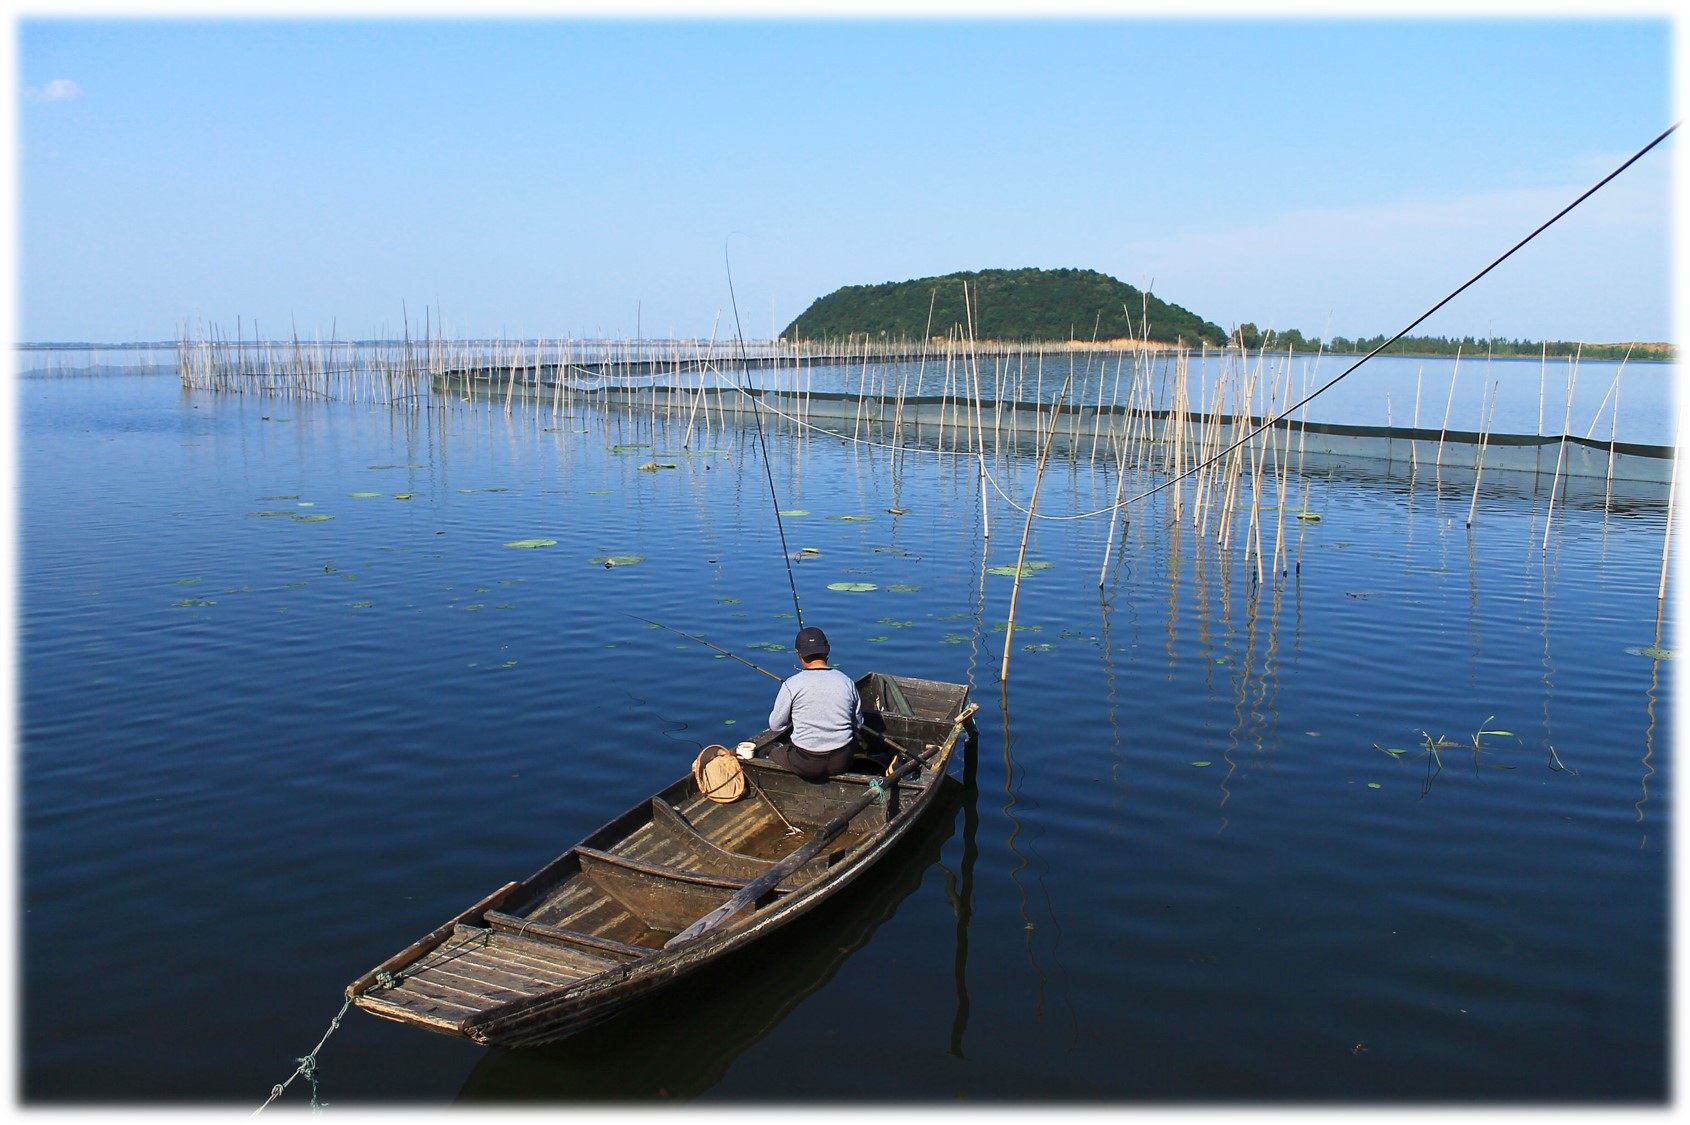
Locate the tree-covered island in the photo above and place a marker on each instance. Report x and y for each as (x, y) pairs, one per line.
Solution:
(1074, 305)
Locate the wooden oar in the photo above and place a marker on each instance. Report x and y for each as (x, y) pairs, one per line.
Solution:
(763, 884)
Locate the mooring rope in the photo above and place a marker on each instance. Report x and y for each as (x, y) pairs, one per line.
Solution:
(308, 1064)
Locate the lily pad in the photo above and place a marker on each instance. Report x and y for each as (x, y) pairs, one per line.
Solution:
(852, 519)
(629, 448)
(902, 588)
(617, 560)
(768, 646)
(363, 495)
(998, 627)
(894, 623)
(653, 466)
(403, 495)
(1374, 785)
(791, 513)
(194, 602)
(1653, 652)
(1311, 517)
(268, 515)
(530, 543)
(361, 605)
(309, 517)
(1201, 765)
(1026, 569)
(852, 587)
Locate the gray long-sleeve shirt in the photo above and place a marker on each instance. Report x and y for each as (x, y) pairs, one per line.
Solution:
(822, 707)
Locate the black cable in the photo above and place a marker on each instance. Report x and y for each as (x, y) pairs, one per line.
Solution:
(1294, 407)
(757, 416)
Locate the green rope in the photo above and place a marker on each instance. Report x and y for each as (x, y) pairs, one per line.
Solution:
(307, 1066)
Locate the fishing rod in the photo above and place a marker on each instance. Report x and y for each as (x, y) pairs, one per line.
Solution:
(1469, 283)
(757, 416)
(706, 644)
(884, 737)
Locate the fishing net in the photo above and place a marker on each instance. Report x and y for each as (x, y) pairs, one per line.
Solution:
(718, 774)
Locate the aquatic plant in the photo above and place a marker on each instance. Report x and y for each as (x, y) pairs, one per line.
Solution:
(532, 543)
(608, 561)
(852, 587)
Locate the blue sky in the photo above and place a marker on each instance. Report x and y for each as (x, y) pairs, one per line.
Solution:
(579, 176)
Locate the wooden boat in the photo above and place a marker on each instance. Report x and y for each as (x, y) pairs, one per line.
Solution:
(673, 883)
(678, 1044)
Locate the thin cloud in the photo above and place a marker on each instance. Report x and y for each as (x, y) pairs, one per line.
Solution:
(58, 90)
(1602, 273)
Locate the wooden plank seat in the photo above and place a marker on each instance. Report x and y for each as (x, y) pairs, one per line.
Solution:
(667, 899)
(499, 920)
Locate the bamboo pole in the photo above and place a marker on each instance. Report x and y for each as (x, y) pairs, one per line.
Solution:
(1026, 532)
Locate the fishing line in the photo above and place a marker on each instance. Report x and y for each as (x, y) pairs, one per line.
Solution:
(1294, 407)
(757, 416)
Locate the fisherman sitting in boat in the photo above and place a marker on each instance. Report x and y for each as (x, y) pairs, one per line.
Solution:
(821, 707)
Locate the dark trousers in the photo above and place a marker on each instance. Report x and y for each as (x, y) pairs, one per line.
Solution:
(812, 766)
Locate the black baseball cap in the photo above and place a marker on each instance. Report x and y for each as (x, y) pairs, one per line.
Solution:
(810, 642)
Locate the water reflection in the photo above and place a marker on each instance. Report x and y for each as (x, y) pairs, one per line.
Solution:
(680, 1044)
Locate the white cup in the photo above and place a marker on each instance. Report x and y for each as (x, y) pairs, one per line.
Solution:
(745, 749)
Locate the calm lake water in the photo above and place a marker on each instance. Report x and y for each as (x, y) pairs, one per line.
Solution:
(260, 753)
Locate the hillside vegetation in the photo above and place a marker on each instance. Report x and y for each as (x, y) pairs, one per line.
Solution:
(1024, 304)
(1082, 305)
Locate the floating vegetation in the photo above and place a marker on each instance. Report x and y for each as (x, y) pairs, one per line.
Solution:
(998, 627)
(294, 585)
(1202, 764)
(653, 466)
(238, 590)
(877, 640)
(768, 646)
(791, 513)
(508, 664)
(361, 605)
(809, 551)
(629, 448)
(1026, 569)
(852, 519)
(901, 552)
(403, 495)
(954, 638)
(268, 515)
(363, 495)
(898, 511)
(188, 581)
(529, 544)
(852, 587)
(894, 623)
(608, 561)
(1653, 652)
(467, 490)
(1311, 517)
(193, 602)
(1374, 785)
(902, 588)
(473, 606)
(1045, 646)
(309, 517)
(724, 600)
